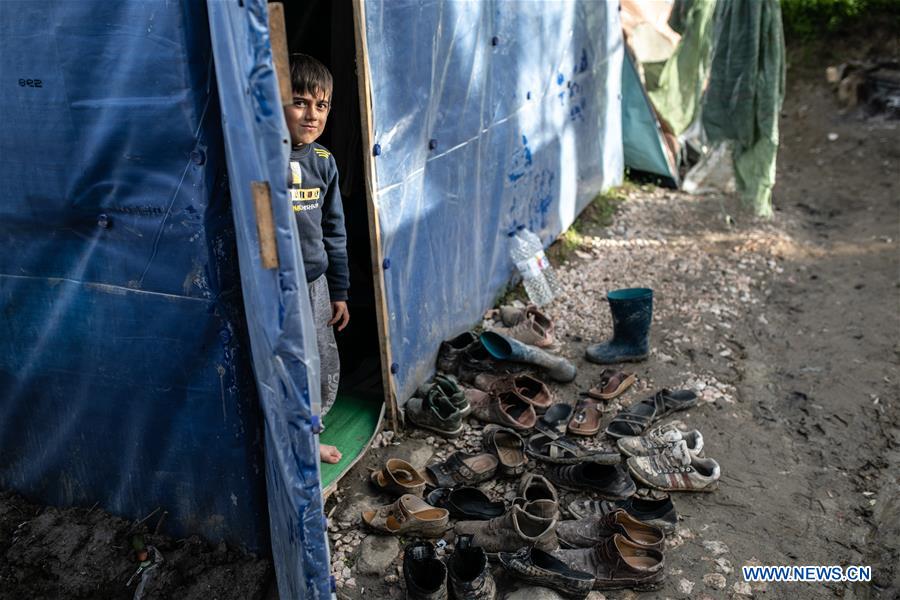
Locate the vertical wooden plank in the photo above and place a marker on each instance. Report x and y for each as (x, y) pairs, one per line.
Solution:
(265, 223)
(278, 40)
(365, 108)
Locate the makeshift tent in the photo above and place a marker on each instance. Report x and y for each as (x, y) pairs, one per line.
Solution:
(156, 347)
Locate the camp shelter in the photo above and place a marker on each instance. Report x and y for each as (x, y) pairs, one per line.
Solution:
(156, 347)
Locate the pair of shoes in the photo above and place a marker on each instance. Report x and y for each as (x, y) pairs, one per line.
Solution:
(466, 571)
(635, 419)
(611, 482)
(657, 512)
(595, 529)
(676, 469)
(448, 386)
(528, 325)
(437, 412)
(561, 450)
(616, 563)
(503, 407)
(527, 388)
(408, 515)
(659, 439)
(509, 448)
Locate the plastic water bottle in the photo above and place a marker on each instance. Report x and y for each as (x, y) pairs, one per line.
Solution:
(527, 253)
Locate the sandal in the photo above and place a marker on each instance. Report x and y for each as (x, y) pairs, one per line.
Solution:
(462, 469)
(586, 420)
(399, 477)
(504, 408)
(509, 448)
(563, 451)
(612, 384)
(635, 419)
(529, 389)
(466, 503)
(409, 514)
(553, 422)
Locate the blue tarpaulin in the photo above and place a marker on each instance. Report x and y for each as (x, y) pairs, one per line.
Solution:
(131, 285)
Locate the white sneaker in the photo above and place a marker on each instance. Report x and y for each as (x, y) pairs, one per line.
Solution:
(659, 439)
(675, 469)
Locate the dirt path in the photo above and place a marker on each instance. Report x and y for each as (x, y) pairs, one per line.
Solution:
(789, 329)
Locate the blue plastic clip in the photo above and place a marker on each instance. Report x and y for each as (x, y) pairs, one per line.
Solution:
(333, 585)
(432, 144)
(495, 41)
(103, 221)
(395, 368)
(376, 150)
(386, 264)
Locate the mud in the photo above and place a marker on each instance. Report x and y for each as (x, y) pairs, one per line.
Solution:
(75, 553)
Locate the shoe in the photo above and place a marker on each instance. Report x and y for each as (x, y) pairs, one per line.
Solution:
(476, 360)
(530, 525)
(434, 412)
(468, 572)
(509, 448)
(658, 439)
(425, 574)
(466, 503)
(543, 569)
(461, 469)
(564, 451)
(553, 422)
(632, 312)
(534, 487)
(512, 315)
(612, 384)
(676, 470)
(585, 533)
(449, 387)
(502, 408)
(635, 419)
(608, 481)
(451, 352)
(618, 563)
(408, 515)
(528, 331)
(505, 348)
(529, 389)
(398, 477)
(657, 512)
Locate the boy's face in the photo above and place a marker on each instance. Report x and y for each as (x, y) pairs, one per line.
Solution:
(307, 115)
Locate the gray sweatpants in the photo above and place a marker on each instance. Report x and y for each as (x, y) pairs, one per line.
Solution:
(329, 361)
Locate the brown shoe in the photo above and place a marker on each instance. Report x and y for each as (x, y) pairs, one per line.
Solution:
(528, 331)
(503, 408)
(520, 526)
(618, 563)
(408, 515)
(511, 316)
(399, 477)
(585, 533)
(529, 389)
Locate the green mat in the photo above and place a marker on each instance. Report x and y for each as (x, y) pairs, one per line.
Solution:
(350, 425)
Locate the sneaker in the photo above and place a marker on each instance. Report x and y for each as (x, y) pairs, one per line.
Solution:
(425, 574)
(657, 440)
(449, 387)
(657, 512)
(436, 413)
(675, 469)
(451, 351)
(607, 481)
(469, 574)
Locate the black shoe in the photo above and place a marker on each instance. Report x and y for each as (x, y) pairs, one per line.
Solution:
(537, 567)
(657, 512)
(609, 481)
(466, 503)
(425, 574)
(470, 577)
(451, 352)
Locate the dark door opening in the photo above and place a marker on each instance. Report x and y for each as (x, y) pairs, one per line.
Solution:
(324, 29)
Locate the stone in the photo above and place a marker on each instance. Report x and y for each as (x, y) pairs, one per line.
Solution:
(715, 580)
(376, 553)
(346, 573)
(724, 565)
(595, 595)
(717, 548)
(743, 588)
(685, 586)
(351, 510)
(534, 593)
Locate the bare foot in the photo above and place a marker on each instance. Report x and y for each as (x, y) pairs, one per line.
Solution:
(329, 454)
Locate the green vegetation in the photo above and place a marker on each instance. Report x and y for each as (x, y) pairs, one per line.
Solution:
(808, 19)
(599, 213)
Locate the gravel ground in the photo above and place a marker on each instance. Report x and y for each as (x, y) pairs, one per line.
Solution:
(787, 329)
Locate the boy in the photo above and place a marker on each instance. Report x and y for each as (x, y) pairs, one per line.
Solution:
(316, 201)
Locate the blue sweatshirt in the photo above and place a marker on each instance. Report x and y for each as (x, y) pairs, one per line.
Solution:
(316, 200)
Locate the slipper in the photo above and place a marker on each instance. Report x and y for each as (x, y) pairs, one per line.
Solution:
(508, 447)
(462, 469)
(466, 503)
(553, 422)
(409, 514)
(563, 451)
(635, 419)
(586, 420)
(612, 384)
(398, 477)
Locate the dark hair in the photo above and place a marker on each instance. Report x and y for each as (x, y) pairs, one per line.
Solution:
(308, 75)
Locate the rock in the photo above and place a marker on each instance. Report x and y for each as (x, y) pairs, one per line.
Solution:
(743, 588)
(595, 596)
(534, 593)
(350, 511)
(416, 452)
(717, 548)
(724, 565)
(715, 580)
(391, 578)
(376, 553)
(350, 582)
(685, 586)
(346, 573)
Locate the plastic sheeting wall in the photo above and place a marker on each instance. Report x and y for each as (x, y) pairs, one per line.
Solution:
(125, 374)
(488, 115)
